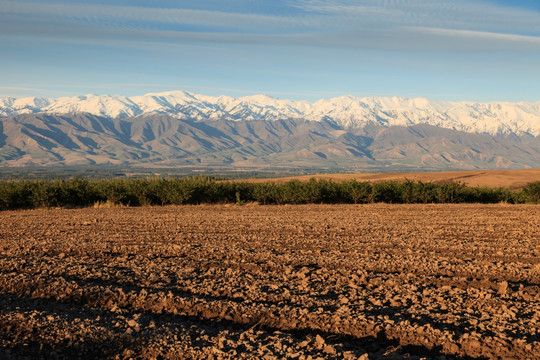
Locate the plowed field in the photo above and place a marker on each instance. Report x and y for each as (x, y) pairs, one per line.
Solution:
(272, 282)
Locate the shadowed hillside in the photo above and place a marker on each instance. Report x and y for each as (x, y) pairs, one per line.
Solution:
(161, 140)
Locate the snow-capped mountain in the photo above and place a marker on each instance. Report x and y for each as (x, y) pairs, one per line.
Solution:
(495, 118)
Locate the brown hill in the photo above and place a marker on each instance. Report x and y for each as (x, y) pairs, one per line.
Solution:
(164, 141)
(491, 178)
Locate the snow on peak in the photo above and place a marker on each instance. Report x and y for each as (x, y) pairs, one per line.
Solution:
(347, 111)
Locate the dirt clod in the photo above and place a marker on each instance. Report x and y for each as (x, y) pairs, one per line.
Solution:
(271, 282)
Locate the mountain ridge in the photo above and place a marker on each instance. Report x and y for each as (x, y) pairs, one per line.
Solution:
(163, 140)
(494, 118)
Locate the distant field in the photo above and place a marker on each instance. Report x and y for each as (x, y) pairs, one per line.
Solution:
(492, 178)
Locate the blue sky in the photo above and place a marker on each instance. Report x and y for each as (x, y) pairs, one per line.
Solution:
(478, 50)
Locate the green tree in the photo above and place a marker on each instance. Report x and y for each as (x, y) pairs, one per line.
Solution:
(532, 192)
(358, 191)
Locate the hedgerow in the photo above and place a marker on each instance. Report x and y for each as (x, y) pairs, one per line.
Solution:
(30, 194)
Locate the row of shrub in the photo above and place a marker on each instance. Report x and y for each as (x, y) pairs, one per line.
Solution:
(201, 189)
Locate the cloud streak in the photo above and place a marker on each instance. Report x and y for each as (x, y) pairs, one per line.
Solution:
(133, 16)
(456, 14)
(388, 25)
(396, 39)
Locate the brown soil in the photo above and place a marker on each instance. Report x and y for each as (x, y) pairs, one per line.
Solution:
(272, 282)
(492, 178)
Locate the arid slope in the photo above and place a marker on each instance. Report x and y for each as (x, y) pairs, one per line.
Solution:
(491, 178)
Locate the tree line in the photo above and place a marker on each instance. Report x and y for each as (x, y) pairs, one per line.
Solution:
(31, 194)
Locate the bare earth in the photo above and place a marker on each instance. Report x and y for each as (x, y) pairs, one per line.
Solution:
(492, 178)
(300, 282)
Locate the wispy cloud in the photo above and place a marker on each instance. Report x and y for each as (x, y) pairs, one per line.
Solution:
(396, 39)
(134, 16)
(18, 91)
(456, 14)
(423, 25)
(18, 88)
(482, 35)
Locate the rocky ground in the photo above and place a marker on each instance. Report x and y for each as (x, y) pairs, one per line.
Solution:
(271, 282)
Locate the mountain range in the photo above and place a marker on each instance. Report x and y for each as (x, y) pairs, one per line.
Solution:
(184, 129)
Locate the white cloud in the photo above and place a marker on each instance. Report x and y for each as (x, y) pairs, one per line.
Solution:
(404, 25)
(455, 14)
(482, 35)
(17, 88)
(133, 16)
